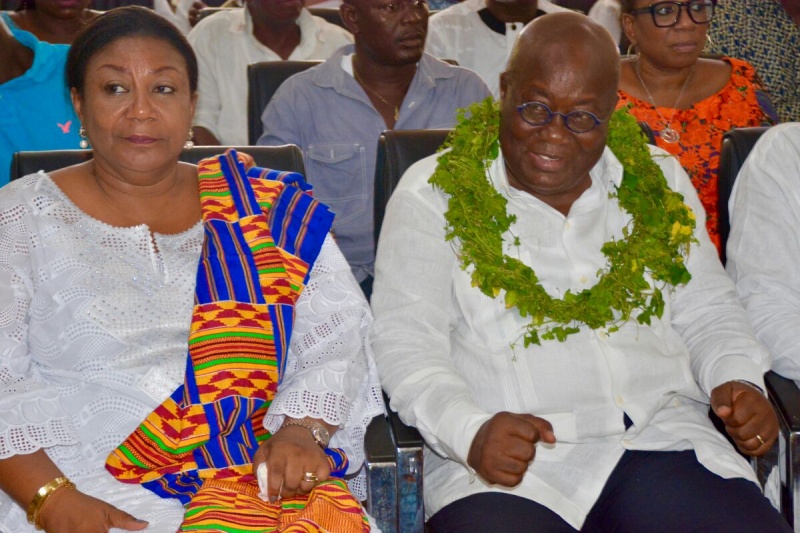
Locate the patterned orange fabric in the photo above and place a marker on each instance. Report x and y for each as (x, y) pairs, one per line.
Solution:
(328, 509)
(701, 127)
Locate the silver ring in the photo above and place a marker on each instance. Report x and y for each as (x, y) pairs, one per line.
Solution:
(760, 439)
(311, 477)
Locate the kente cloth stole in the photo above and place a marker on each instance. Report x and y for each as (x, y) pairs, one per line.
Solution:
(262, 236)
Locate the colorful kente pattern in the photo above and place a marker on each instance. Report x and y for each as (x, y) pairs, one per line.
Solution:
(262, 236)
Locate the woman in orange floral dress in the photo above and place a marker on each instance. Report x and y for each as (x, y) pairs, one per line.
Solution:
(688, 101)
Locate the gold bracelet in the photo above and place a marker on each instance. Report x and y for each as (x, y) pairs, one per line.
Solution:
(42, 495)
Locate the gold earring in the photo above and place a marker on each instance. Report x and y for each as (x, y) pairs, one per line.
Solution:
(189, 144)
(709, 47)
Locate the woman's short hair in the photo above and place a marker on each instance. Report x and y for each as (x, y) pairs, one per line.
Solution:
(121, 23)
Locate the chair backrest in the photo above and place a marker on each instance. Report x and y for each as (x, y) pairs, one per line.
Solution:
(398, 150)
(736, 146)
(288, 158)
(263, 80)
(330, 14)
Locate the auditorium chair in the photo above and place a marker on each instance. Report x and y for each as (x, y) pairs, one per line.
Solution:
(330, 14)
(287, 157)
(263, 80)
(783, 460)
(398, 150)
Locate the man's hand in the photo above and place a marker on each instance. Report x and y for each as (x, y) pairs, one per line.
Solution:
(748, 416)
(289, 454)
(69, 510)
(194, 12)
(505, 445)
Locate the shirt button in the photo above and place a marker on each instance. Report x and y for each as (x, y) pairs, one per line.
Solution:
(513, 27)
(584, 279)
(618, 400)
(602, 335)
(626, 442)
(567, 225)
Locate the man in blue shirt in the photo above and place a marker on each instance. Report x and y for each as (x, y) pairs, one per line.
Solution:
(37, 111)
(336, 111)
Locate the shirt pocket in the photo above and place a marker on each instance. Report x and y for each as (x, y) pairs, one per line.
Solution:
(338, 172)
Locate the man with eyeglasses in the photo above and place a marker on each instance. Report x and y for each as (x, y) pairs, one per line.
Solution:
(521, 326)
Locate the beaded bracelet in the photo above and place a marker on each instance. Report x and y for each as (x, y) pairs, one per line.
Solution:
(42, 495)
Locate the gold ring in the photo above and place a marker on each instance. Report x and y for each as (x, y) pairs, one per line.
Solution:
(310, 476)
(760, 439)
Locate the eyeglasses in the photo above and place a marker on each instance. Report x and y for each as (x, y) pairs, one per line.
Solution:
(538, 114)
(666, 14)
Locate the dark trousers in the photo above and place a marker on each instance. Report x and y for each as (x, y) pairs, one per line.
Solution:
(647, 492)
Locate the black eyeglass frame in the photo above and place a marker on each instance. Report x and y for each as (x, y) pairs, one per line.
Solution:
(565, 116)
(652, 10)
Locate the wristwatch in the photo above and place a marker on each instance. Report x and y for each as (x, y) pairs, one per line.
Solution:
(318, 431)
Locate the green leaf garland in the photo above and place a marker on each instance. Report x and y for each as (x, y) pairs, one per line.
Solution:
(655, 242)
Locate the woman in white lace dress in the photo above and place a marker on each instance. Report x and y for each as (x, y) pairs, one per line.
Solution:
(97, 277)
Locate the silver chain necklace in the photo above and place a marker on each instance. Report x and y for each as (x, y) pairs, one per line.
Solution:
(667, 133)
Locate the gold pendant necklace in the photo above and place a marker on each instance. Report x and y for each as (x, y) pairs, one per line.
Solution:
(667, 133)
(381, 98)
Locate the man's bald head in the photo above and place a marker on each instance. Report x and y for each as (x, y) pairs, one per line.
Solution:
(569, 40)
(568, 64)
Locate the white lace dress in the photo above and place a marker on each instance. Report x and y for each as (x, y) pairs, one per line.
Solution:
(94, 322)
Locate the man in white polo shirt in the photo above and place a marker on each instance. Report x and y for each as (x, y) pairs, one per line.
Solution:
(226, 42)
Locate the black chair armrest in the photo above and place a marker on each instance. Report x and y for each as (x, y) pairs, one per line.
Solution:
(409, 446)
(393, 460)
(785, 396)
(785, 454)
(380, 463)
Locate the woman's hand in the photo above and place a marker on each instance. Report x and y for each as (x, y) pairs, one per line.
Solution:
(70, 511)
(289, 454)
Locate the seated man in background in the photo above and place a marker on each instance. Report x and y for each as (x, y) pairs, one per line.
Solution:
(37, 113)
(336, 111)
(540, 319)
(228, 41)
(479, 34)
(764, 244)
